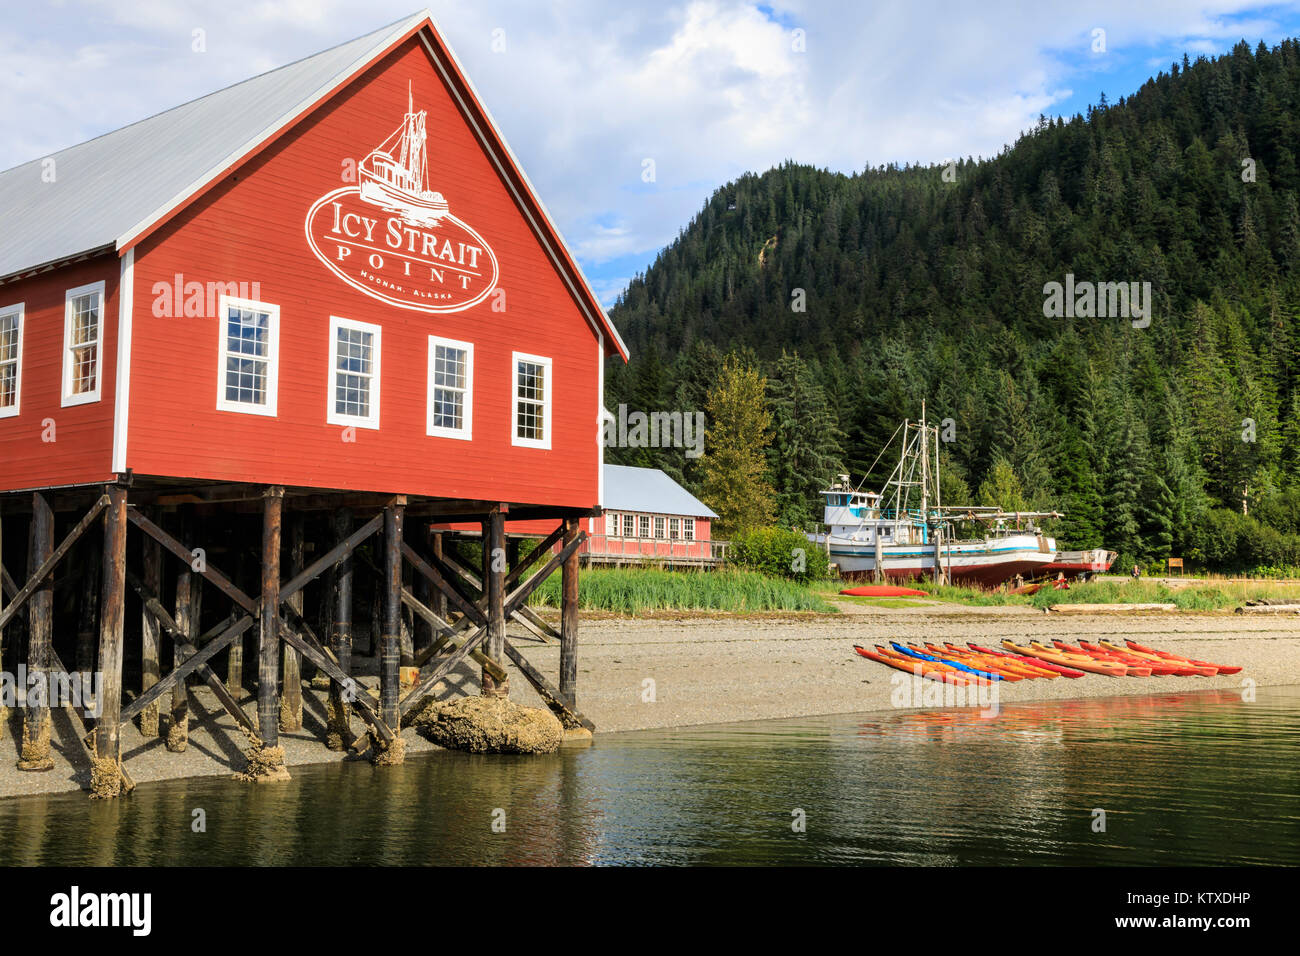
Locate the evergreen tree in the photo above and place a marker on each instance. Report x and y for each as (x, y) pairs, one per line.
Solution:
(735, 483)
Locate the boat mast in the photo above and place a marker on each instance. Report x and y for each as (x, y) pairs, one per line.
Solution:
(924, 438)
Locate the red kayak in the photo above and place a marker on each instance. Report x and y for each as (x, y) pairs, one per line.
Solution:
(1222, 668)
(884, 590)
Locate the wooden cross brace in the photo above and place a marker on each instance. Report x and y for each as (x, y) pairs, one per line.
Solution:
(38, 577)
(515, 602)
(302, 639)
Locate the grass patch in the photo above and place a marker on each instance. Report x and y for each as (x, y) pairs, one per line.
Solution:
(640, 590)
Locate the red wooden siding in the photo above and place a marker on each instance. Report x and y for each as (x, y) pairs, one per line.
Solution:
(83, 447)
(250, 228)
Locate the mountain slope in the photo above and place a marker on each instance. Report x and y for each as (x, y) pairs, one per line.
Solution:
(925, 283)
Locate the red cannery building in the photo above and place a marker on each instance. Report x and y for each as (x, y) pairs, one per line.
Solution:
(325, 306)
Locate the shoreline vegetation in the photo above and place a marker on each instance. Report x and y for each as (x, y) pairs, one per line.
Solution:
(636, 592)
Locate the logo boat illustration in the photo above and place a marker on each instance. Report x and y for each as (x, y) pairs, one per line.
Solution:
(396, 177)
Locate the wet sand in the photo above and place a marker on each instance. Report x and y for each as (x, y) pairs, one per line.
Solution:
(638, 674)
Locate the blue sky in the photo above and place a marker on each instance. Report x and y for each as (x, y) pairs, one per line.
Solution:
(587, 92)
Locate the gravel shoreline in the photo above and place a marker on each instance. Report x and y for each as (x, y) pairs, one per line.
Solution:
(638, 674)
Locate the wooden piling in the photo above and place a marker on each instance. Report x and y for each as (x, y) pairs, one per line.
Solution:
(494, 584)
(4, 711)
(150, 632)
(268, 653)
(291, 693)
(88, 607)
(235, 656)
(939, 577)
(390, 635)
(569, 619)
(35, 748)
(178, 722)
(438, 604)
(106, 776)
(338, 724)
(878, 570)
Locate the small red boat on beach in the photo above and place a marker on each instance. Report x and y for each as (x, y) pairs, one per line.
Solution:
(884, 590)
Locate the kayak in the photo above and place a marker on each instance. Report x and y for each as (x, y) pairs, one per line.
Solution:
(1036, 662)
(1079, 654)
(970, 660)
(898, 662)
(1076, 661)
(1221, 668)
(1157, 668)
(1029, 669)
(884, 590)
(1026, 589)
(1009, 669)
(914, 652)
(1158, 664)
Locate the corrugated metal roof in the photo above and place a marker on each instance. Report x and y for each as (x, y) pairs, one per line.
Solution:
(649, 489)
(107, 187)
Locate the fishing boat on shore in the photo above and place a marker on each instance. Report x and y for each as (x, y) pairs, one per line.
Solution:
(1080, 564)
(905, 532)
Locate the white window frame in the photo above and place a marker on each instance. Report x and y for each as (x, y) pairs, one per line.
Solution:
(688, 529)
(84, 398)
(643, 528)
(661, 528)
(224, 304)
(19, 309)
(613, 527)
(332, 415)
(548, 390)
(674, 529)
(629, 525)
(466, 431)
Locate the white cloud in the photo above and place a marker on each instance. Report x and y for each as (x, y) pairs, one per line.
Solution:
(587, 90)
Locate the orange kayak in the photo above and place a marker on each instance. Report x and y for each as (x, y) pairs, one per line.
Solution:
(1002, 661)
(1033, 661)
(1007, 670)
(1160, 669)
(1137, 648)
(1077, 661)
(1159, 665)
(898, 662)
(1136, 666)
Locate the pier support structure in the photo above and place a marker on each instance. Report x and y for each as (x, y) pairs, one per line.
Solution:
(460, 616)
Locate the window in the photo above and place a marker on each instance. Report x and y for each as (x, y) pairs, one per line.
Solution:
(11, 359)
(688, 529)
(249, 357)
(532, 405)
(643, 526)
(629, 526)
(83, 330)
(451, 388)
(674, 528)
(355, 349)
(612, 525)
(659, 526)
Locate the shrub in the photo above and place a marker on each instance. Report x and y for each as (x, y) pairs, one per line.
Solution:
(780, 553)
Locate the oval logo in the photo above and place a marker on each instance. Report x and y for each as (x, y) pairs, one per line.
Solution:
(402, 247)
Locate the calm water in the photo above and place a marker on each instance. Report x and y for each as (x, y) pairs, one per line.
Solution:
(1183, 778)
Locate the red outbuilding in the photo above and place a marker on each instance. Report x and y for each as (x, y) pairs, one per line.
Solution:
(328, 296)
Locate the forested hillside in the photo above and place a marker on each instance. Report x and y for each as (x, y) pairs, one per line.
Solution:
(918, 285)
